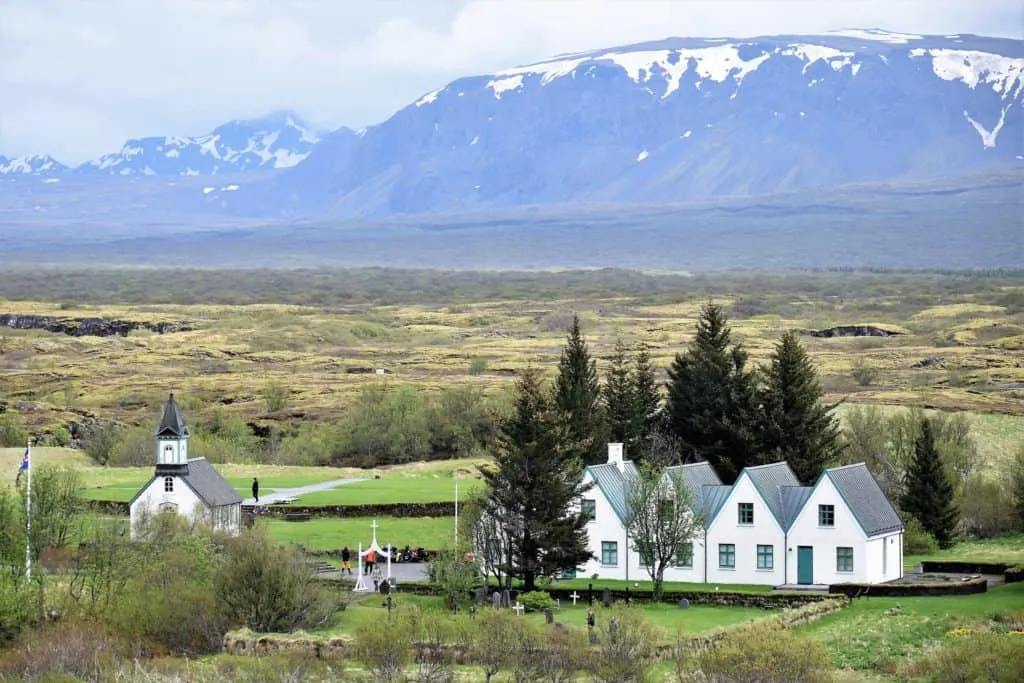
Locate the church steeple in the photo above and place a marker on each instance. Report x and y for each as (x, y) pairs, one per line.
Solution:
(171, 440)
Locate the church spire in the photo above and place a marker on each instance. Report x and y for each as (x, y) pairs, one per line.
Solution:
(172, 424)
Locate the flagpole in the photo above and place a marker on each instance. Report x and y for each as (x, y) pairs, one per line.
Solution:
(456, 514)
(28, 516)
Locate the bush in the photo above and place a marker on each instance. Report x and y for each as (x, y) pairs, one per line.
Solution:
(12, 434)
(18, 603)
(535, 601)
(79, 650)
(986, 509)
(763, 652)
(384, 645)
(917, 541)
(477, 365)
(59, 436)
(270, 588)
(976, 658)
(453, 575)
(863, 373)
(626, 651)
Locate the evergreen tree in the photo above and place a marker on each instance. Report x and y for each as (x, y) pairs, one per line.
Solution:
(646, 398)
(797, 427)
(578, 398)
(618, 397)
(929, 495)
(533, 490)
(712, 398)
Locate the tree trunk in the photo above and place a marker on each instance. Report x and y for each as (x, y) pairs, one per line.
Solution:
(659, 582)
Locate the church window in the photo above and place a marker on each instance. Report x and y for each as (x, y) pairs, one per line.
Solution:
(168, 484)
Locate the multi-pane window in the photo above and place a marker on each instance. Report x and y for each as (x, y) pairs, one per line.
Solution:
(666, 509)
(684, 555)
(610, 553)
(844, 559)
(746, 513)
(588, 508)
(765, 557)
(727, 555)
(826, 515)
(168, 484)
(646, 556)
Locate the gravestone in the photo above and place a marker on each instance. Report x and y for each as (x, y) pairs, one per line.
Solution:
(385, 588)
(606, 597)
(496, 600)
(549, 616)
(506, 598)
(613, 629)
(683, 604)
(481, 595)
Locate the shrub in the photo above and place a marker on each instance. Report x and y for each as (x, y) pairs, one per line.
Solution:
(626, 651)
(269, 588)
(985, 508)
(12, 434)
(18, 601)
(535, 601)
(489, 645)
(79, 650)
(981, 658)
(453, 575)
(763, 652)
(59, 436)
(275, 397)
(477, 365)
(384, 645)
(917, 541)
(863, 373)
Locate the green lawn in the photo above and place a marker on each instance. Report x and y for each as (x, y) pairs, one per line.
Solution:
(872, 631)
(422, 489)
(670, 618)
(432, 533)
(1008, 548)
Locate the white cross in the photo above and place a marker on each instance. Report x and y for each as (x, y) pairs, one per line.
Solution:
(518, 609)
(373, 525)
(574, 597)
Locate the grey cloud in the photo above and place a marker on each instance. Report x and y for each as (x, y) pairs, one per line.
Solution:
(78, 77)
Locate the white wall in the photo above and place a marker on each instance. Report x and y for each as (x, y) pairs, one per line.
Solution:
(884, 558)
(846, 533)
(153, 496)
(171, 451)
(606, 526)
(764, 531)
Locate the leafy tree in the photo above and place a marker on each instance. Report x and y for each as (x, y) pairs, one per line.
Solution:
(797, 427)
(533, 488)
(627, 649)
(453, 574)
(660, 519)
(929, 495)
(578, 398)
(1017, 484)
(12, 434)
(712, 398)
(56, 502)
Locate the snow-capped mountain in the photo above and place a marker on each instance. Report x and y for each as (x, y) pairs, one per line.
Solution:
(40, 165)
(675, 120)
(280, 140)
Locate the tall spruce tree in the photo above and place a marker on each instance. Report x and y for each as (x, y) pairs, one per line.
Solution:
(618, 396)
(929, 495)
(712, 404)
(646, 397)
(532, 492)
(578, 397)
(797, 427)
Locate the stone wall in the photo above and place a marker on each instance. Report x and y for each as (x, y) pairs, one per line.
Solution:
(968, 587)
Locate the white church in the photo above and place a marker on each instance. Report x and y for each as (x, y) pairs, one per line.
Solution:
(188, 487)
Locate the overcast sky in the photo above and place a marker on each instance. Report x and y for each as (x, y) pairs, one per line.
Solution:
(78, 77)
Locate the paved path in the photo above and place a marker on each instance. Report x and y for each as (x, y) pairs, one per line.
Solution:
(288, 495)
(403, 572)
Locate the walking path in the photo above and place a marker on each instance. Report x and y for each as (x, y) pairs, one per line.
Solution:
(289, 495)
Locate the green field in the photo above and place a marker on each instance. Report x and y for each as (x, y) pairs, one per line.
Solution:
(423, 489)
(872, 631)
(1006, 549)
(332, 533)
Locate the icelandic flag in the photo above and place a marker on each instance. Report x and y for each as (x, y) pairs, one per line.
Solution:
(23, 468)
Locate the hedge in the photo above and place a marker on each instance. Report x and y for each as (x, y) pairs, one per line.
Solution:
(963, 567)
(438, 509)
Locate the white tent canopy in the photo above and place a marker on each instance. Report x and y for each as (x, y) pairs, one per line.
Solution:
(361, 586)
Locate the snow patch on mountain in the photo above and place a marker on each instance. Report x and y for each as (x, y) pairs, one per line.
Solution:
(1004, 74)
(42, 165)
(877, 35)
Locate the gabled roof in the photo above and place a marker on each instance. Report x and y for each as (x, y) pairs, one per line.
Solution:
(172, 424)
(770, 480)
(698, 476)
(793, 499)
(212, 488)
(712, 500)
(865, 499)
(615, 485)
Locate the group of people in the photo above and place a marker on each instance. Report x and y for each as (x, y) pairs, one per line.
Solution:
(369, 561)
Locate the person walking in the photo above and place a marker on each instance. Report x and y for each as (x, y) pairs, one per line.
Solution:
(371, 559)
(346, 558)
(256, 489)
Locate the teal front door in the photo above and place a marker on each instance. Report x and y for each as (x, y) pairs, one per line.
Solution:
(805, 564)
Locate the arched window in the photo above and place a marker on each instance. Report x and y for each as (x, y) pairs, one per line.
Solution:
(168, 451)
(168, 507)
(168, 484)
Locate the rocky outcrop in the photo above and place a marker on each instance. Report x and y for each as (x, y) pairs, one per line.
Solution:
(852, 331)
(87, 327)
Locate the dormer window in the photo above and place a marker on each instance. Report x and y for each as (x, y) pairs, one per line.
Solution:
(168, 484)
(168, 451)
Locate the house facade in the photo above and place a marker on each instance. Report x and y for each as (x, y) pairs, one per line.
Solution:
(764, 529)
(189, 487)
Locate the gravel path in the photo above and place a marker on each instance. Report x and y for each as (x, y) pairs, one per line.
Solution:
(286, 495)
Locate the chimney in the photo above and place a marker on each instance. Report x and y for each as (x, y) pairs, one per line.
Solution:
(615, 455)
